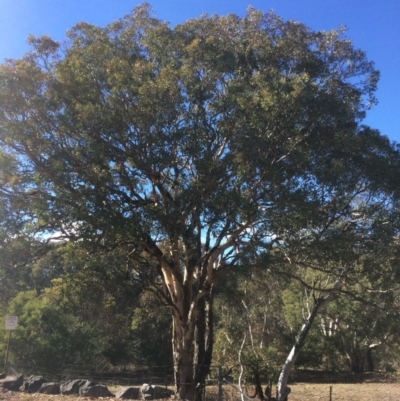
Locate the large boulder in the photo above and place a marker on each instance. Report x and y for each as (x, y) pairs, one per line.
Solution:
(13, 383)
(153, 392)
(96, 391)
(50, 388)
(129, 393)
(33, 384)
(74, 386)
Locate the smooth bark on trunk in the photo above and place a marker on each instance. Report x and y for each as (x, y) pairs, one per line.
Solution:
(189, 291)
(282, 389)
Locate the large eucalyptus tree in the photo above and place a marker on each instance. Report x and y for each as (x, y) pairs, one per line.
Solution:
(189, 147)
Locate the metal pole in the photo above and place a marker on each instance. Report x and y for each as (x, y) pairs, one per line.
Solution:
(330, 393)
(8, 349)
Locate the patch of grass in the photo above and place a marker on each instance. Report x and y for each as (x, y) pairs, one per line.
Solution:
(348, 392)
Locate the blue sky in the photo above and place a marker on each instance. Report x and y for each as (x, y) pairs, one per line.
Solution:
(373, 26)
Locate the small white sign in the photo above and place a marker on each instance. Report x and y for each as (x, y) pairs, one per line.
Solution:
(11, 322)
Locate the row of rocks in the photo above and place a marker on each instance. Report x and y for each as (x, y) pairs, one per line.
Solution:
(82, 387)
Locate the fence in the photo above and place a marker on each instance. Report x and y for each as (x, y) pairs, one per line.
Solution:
(220, 386)
(118, 376)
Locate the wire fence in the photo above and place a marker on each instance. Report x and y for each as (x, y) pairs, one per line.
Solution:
(221, 384)
(118, 376)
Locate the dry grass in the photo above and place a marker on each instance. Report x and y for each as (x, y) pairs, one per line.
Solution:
(348, 392)
(340, 392)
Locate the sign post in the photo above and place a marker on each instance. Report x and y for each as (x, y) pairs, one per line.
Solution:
(11, 324)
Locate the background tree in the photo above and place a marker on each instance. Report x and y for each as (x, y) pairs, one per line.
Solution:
(190, 148)
(356, 262)
(364, 327)
(151, 329)
(76, 304)
(249, 321)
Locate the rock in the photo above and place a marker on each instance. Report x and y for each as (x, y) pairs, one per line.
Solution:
(50, 388)
(129, 393)
(13, 383)
(74, 386)
(390, 369)
(96, 391)
(153, 392)
(33, 384)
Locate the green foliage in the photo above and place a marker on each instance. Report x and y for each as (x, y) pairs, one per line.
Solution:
(49, 334)
(169, 155)
(222, 116)
(70, 316)
(248, 303)
(151, 326)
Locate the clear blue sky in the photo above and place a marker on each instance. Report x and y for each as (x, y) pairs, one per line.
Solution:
(373, 26)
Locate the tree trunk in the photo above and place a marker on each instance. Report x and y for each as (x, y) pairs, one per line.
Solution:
(357, 362)
(204, 343)
(259, 392)
(370, 360)
(282, 389)
(190, 300)
(192, 343)
(368, 355)
(182, 346)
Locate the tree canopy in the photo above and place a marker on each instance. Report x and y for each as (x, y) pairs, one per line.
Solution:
(220, 141)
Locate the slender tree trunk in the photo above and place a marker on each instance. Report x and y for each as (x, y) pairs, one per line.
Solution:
(370, 360)
(357, 361)
(282, 390)
(264, 329)
(241, 367)
(259, 391)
